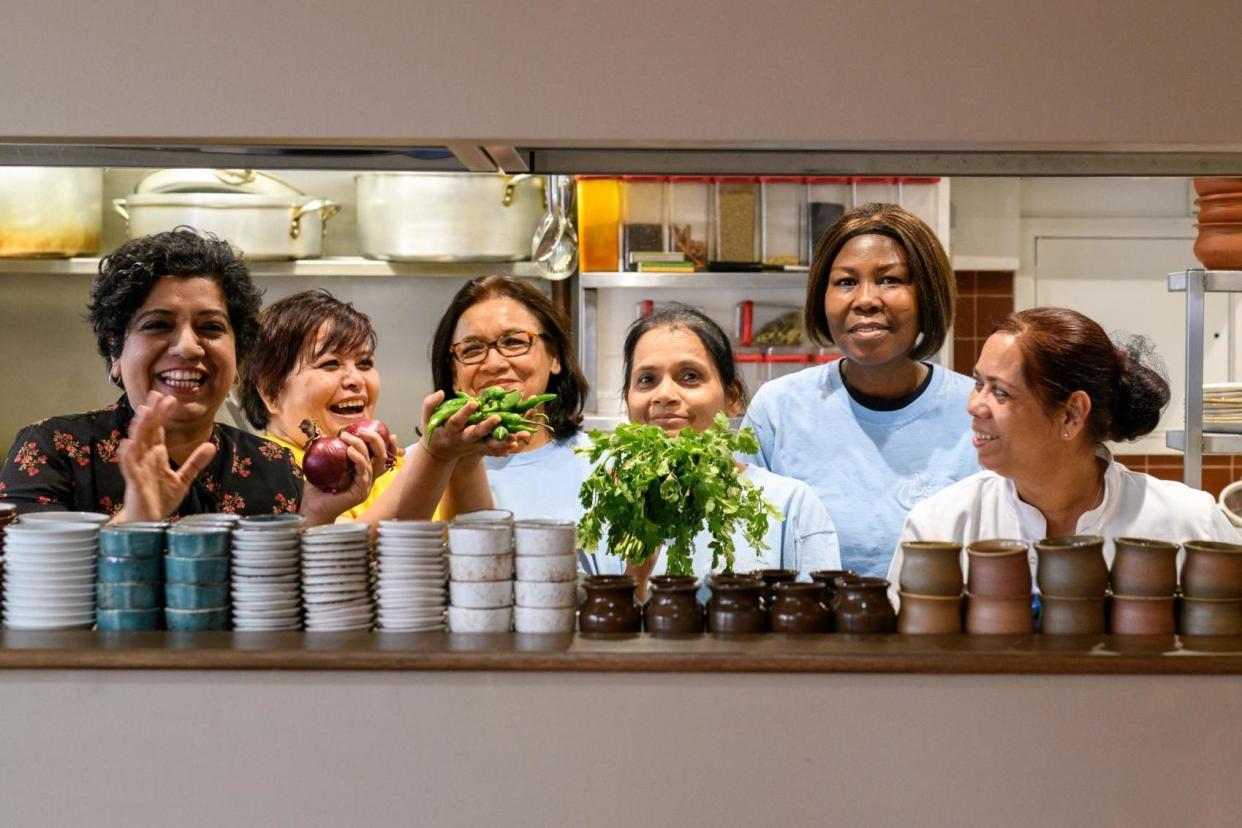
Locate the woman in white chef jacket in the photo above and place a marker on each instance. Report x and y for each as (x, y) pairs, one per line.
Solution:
(1050, 388)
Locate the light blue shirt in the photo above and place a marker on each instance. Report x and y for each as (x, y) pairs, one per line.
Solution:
(868, 467)
(542, 482)
(805, 540)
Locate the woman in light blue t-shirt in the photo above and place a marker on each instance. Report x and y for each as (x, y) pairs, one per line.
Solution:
(882, 428)
(679, 373)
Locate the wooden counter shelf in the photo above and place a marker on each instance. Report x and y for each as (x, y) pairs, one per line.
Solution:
(1018, 655)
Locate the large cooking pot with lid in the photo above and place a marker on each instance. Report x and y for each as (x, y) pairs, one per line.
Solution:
(448, 217)
(50, 211)
(263, 216)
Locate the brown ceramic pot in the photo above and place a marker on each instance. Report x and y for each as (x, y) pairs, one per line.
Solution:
(1219, 246)
(862, 606)
(1142, 615)
(1212, 569)
(931, 568)
(1200, 616)
(1144, 568)
(998, 569)
(986, 615)
(1072, 567)
(799, 610)
(1217, 185)
(674, 608)
(610, 606)
(736, 605)
(770, 578)
(1221, 207)
(1071, 616)
(827, 578)
(929, 614)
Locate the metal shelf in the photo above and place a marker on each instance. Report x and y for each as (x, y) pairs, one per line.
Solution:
(694, 281)
(303, 268)
(1214, 281)
(1210, 442)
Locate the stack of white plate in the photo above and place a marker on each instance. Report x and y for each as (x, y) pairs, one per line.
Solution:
(336, 577)
(267, 593)
(50, 575)
(410, 583)
(1222, 407)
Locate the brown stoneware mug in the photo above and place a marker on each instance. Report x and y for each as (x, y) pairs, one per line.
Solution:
(799, 610)
(770, 578)
(674, 608)
(1210, 616)
(1142, 615)
(1144, 568)
(986, 615)
(862, 606)
(998, 569)
(1072, 567)
(931, 568)
(736, 605)
(929, 614)
(1060, 615)
(1212, 569)
(610, 606)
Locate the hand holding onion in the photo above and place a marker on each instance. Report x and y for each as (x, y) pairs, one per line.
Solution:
(346, 466)
(327, 463)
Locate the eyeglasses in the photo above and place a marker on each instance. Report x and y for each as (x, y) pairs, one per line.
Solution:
(512, 344)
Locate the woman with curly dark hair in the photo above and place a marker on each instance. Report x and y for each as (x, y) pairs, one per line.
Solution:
(173, 315)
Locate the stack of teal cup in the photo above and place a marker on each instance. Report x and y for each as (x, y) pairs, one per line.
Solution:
(196, 569)
(128, 587)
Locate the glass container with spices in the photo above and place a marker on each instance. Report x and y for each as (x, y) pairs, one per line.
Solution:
(783, 202)
(828, 199)
(642, 200)
(599, 223)
(737, 219)
(690, 219)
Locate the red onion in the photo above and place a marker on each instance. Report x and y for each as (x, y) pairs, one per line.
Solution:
(373, 426)
(327, 465)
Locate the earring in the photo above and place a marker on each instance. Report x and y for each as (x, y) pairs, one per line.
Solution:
(1065, 434)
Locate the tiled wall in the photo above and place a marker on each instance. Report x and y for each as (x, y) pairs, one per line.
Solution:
(1219, 470)
(984, 297)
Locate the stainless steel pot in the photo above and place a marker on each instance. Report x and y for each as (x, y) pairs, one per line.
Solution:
(261, 226)
(447, 217)
(50, 211)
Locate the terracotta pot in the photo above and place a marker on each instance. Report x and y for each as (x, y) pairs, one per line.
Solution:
(1216, 186)
(862, 606)
(798, 609)
(736, 605)
(610, 606)
(929, 614)
(1072, 567)
(674, 608)
(1219, 246)
(1206, 616)
(998, 568)
(1222, 207)
(931, 568)
(1212, 569)
(1144, 568)
(986, 615)
(1071, 616)
(1142, 615)
(770, 578)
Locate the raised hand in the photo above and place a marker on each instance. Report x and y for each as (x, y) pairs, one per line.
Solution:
(153, 488)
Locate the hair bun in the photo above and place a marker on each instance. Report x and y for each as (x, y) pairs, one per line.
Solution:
(1142, 389)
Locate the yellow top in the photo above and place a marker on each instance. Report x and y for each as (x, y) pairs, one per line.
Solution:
(377, 487)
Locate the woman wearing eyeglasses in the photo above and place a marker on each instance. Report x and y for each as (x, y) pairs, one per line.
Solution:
(315, 360)
(501, 331)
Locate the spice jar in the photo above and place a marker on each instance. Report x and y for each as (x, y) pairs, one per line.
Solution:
(862, 606)
(690, 219)
(737, 219)
(599, 223)
(644, 218)
(782, 203)
(610, 606)
(734, 606)
(673, 608)
(798, 610)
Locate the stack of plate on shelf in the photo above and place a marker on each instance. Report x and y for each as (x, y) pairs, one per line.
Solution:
(336, 577)
(1222, 407)
(410, 589)
(267, 593)
(50, 575)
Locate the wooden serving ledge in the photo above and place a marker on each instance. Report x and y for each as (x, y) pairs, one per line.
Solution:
(958, 654)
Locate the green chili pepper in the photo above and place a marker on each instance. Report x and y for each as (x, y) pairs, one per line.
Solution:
(494, 392)
(510, 400)
(444, 412)
(500, 433)
(537, 400)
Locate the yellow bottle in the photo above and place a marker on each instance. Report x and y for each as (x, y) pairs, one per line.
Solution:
(599, 219)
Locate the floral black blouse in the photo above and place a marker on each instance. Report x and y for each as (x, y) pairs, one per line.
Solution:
(70, 463)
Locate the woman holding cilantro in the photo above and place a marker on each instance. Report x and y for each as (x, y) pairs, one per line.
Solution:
(679, 374)
(881, 429)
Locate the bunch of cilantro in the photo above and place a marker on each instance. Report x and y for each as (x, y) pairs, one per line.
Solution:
(649, 489)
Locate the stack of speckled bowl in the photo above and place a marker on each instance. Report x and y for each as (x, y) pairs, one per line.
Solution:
(410, 585)
(50, 561)
(129, 591)
(267, 593)
(546, 589)
(196, 571)
(336, 578)
(480, 576)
